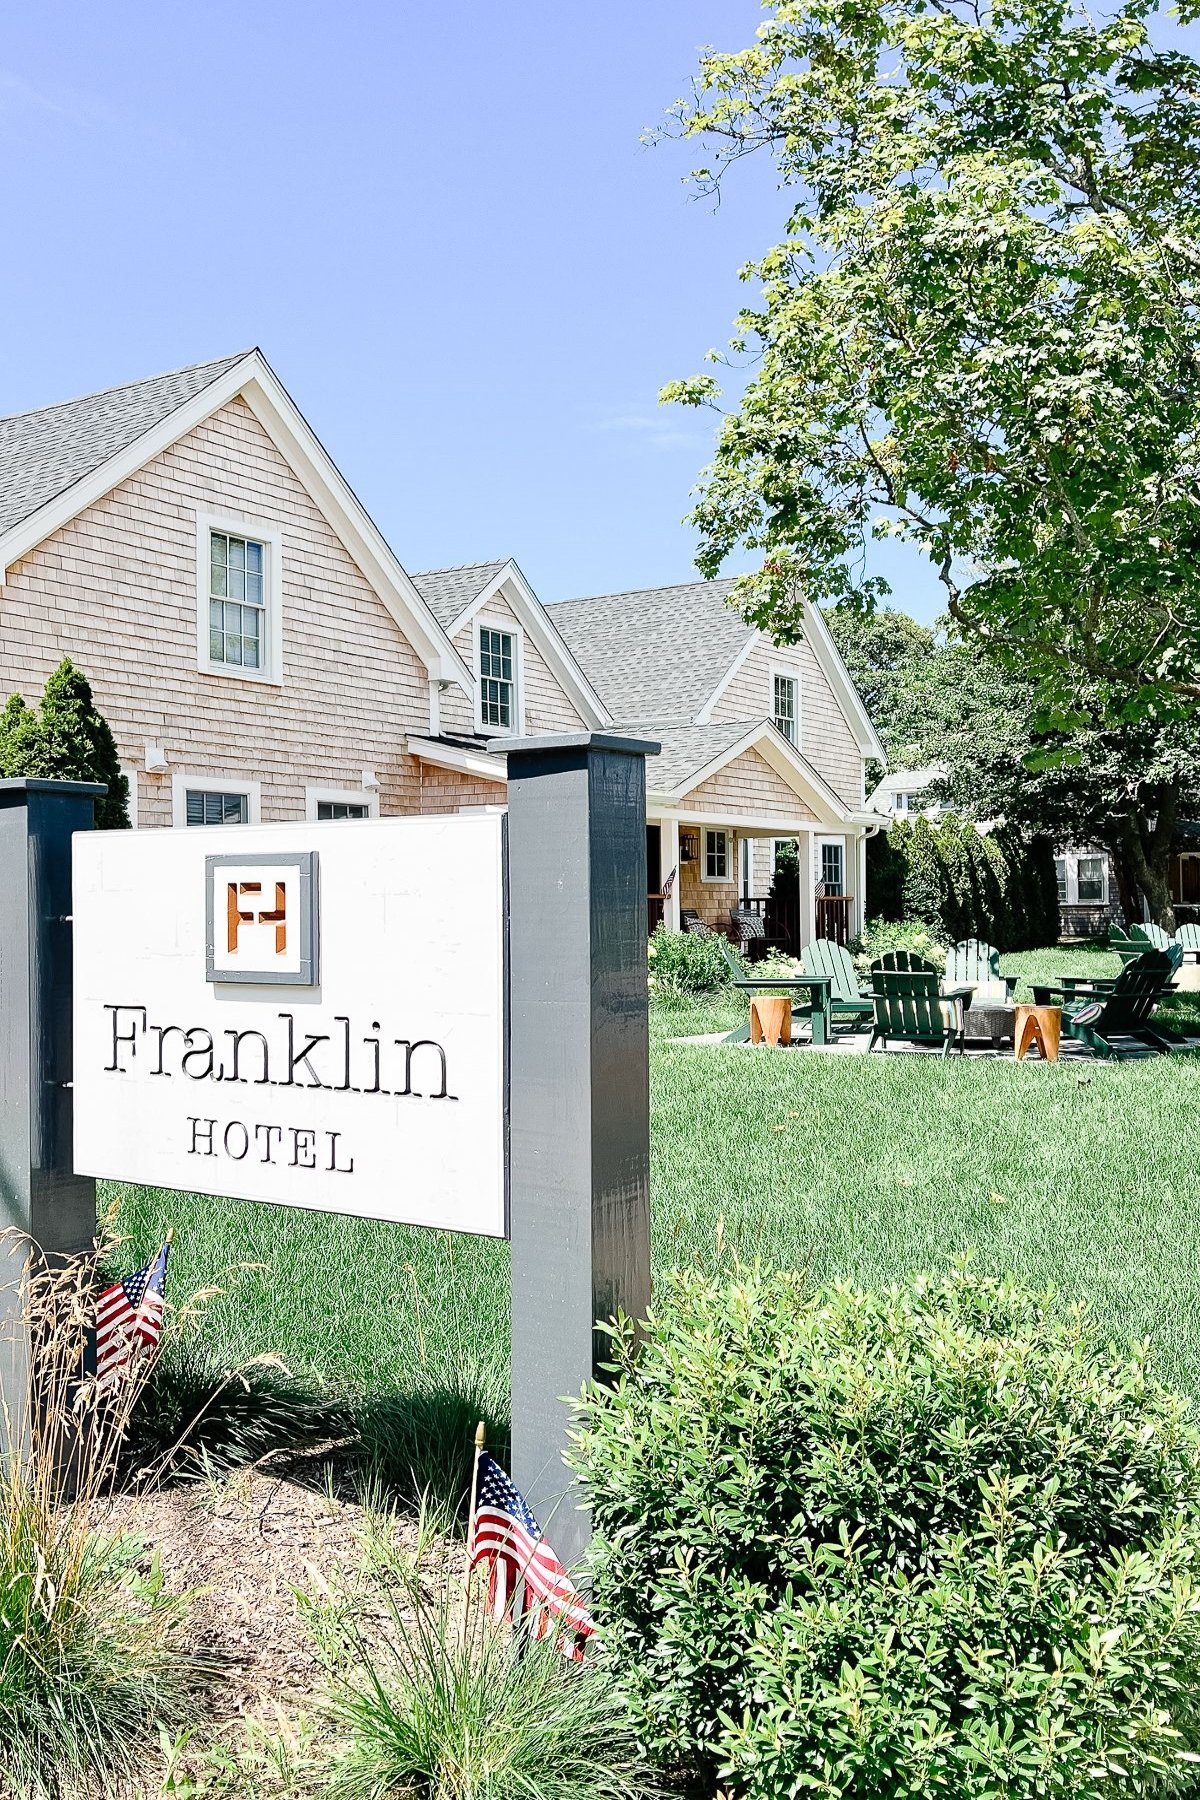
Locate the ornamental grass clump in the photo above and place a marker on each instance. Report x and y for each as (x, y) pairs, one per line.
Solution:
(935, 1541)
(428, 1704)
(91, 1664)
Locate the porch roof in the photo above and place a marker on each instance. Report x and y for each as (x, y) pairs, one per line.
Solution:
(691, 754)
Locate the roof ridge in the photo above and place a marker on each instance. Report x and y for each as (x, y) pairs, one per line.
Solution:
(484, 562)
(670, 587)
(118, 387)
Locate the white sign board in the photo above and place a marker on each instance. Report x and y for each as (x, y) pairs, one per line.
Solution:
(309, 1014)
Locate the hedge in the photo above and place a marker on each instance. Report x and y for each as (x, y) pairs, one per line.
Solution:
(997, 885)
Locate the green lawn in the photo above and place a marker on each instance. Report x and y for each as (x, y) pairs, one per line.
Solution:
(871, 1168)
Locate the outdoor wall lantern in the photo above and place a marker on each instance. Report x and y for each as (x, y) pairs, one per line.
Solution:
(689, 846)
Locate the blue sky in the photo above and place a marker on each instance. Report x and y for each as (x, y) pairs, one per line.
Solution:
(438, 222)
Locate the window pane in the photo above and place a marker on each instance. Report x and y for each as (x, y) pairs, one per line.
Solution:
(1060, 872)
(218, 549)
(254, 588)
(1091, 878)
(341, 809)
(254, 558)
(237, 584)
(216, 809)
(237, 553)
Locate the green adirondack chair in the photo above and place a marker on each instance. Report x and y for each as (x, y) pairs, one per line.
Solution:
(846, 998)
(1150, 934)
(908, 1006)
(1126, 1010)
(1188, 939)
(1123, 945)
(977, 963)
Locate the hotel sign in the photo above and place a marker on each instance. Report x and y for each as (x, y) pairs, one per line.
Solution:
(311, 1015)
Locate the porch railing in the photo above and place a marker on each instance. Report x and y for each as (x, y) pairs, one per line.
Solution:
(833, 916)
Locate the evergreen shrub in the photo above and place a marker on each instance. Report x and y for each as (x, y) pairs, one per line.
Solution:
(935, 1541)
(65, 738)
(996, 885)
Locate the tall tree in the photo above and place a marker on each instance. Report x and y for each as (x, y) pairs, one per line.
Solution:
(980, 331)
(1125, 786)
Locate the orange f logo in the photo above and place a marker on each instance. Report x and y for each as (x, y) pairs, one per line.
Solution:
(235, 918)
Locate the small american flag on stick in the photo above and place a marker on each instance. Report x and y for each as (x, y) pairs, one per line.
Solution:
(129, 1317)
(507, 1538)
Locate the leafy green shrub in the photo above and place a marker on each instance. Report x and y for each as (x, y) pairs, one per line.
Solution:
(881, 935)
(65, 739)
(939, 1541)
(685, 962)
(997, 885)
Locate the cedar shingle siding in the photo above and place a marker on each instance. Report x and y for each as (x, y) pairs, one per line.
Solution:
(116, 590)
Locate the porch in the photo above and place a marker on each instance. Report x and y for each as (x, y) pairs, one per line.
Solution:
(709, 867)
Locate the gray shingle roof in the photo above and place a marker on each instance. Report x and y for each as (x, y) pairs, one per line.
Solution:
(44, 453)
(449, 592)
(688, 748)
(657, 654)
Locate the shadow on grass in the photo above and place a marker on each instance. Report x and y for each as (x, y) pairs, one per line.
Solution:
(197, 1419)
(414, 1445)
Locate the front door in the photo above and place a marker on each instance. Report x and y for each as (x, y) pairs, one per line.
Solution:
(654, 905)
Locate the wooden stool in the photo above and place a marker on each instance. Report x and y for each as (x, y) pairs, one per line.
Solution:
(770, 1020)
(1040, 1025)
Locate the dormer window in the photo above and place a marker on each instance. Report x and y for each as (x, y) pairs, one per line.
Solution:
(787, 706)
(498, 676)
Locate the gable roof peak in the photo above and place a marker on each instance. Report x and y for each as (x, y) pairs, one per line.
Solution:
(46, 452)
(210, 369)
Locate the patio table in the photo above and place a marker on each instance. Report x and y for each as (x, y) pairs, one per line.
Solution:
(817, 987)
(989, 1019)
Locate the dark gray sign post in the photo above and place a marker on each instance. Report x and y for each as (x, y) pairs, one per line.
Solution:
(40, 1194)
(579, 1103)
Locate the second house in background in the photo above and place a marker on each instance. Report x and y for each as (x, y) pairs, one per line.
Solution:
(261, 653)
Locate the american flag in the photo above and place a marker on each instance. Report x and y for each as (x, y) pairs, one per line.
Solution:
(508, 1539)
(129, 1317)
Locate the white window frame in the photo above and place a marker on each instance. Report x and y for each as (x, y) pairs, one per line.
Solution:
(271, 539)
(711, 831)
(1072, 859)
(182, 783)
(313, 795)
(1103, 861)
(787, 672)
(841, 846)
(493, 622)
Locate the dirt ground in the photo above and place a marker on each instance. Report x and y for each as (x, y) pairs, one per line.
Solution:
(241, 1551)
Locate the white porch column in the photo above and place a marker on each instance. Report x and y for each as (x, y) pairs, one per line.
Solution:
(808, 911)
(860, 886)
(668, 832)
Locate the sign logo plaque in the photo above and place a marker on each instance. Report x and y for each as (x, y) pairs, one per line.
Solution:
(262, 918)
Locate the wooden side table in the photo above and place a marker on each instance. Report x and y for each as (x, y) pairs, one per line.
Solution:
(770, 1020)
(1040, 1025)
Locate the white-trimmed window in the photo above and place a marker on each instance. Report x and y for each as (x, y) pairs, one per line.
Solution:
(214, 800)
(833, 867)
(1090, 881)
(1060, 875)
(238, 598)
(339, 803)
(785, 701)
(499, 656)
(715, 866)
